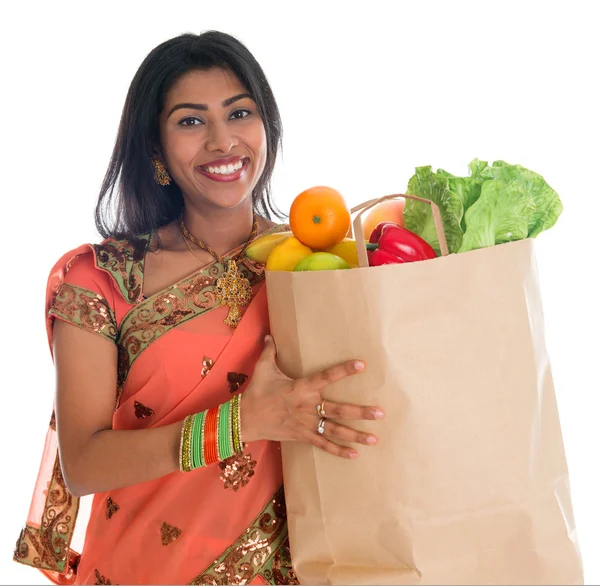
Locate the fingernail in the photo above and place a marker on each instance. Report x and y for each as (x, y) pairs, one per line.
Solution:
(371, 439)
(359, 365)
(267, 338)
(353, 455)
(378, 414)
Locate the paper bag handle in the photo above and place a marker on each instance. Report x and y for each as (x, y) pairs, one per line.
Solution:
(359, 233)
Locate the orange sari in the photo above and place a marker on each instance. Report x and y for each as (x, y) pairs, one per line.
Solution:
(224, 524)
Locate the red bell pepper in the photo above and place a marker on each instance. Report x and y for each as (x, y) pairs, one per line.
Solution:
(397, 245)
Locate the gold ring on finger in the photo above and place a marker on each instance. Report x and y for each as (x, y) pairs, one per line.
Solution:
(321, 409)
(321, 427)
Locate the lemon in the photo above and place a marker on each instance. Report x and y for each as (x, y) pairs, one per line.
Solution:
(346, 249)
(285, 256)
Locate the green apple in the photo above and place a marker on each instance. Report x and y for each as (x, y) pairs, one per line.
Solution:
(321, 261)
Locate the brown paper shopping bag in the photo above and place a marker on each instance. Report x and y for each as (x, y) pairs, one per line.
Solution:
(469, 483)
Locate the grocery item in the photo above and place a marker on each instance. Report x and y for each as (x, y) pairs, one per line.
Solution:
(260, 249)
(286, 255)
(495, 204)
(319, 217)
(321, 261)
(397, 245)
(387, 211)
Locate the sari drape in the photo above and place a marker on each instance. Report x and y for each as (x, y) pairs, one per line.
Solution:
(223, 524)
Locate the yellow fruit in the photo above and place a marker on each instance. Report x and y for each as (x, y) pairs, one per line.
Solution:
(261, 248)
(321, 261)
(286, 255)
(346, 249)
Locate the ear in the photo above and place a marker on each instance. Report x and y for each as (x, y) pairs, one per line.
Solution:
(157, 152)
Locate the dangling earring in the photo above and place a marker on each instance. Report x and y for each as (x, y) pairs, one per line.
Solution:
(161, 175)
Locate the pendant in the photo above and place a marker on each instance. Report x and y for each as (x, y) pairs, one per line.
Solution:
(233, 290)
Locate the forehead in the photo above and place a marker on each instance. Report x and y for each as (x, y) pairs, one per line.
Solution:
(210, 86)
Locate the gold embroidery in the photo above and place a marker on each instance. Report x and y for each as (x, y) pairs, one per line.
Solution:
(53, 420)
(262, 549)
(124, 260)
(111, 508)
(101, 580)
(207, 364)
(236, 380)
(237, 471)
(85, 309)
(141, 411)
(47, 546)
(169, 533)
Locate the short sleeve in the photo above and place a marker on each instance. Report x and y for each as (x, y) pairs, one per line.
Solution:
(83, 296)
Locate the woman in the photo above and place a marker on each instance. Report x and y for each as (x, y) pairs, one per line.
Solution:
(142, 313)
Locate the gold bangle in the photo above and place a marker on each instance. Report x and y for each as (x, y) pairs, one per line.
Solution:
(184, 462)
(235, 403)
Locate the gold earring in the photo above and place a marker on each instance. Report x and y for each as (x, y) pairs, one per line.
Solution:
(161, 175)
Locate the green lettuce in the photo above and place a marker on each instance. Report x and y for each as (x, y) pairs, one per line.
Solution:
(493, 205)
(418, 217)
(548, 206)
(501, 214)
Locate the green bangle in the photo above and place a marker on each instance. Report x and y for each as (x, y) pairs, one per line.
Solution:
(231, 429)
(224, 431)
(202, 458)
(196, 433)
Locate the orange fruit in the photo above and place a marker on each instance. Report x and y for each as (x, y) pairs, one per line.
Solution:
(319, 217)
(386, 211)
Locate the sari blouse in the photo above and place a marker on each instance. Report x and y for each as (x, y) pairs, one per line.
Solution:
(223, 524)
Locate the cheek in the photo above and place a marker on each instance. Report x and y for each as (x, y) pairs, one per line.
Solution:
(259, 143)
(178, 149)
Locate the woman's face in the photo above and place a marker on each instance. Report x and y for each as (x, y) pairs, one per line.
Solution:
(213, 140)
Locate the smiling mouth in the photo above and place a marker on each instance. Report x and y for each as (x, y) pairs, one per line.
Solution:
(225, 170)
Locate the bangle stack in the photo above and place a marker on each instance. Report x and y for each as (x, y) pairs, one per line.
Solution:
(211, 436)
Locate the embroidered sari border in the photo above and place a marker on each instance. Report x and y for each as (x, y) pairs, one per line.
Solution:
(47, 547)
(84, 309)
(263, 549)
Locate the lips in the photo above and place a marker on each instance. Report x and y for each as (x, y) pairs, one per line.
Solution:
(219, 164)
(225, 161)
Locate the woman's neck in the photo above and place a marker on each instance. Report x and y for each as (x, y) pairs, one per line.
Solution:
(220, 229)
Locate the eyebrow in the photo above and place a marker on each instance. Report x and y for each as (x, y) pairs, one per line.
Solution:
(224, 103)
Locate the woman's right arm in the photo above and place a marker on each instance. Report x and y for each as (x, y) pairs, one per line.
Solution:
(96, 458)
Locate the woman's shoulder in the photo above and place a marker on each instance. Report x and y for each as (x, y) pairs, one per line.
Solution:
(117, 261)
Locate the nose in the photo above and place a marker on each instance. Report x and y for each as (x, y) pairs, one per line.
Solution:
(220, 138)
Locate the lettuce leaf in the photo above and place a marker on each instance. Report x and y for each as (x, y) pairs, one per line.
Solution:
(418, 217)
(467, 189)
(501, 214)
(548, 206)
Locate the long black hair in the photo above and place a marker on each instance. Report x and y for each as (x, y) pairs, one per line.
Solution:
(130, 201)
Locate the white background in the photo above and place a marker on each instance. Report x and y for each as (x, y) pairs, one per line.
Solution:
(366, 93)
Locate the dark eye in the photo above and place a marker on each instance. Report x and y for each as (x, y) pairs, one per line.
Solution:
(191, 122)
(239, 114)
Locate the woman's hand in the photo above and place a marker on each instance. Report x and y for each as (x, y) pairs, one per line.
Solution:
(278, 408)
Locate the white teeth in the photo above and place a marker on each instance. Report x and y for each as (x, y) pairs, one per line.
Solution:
(225, 169)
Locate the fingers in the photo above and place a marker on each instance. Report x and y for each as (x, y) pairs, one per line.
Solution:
(341, 432)
(321, 442)
(334, 374)
(270, 350)
(351, 412)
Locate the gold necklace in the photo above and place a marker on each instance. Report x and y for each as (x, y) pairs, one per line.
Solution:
(232, 290)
